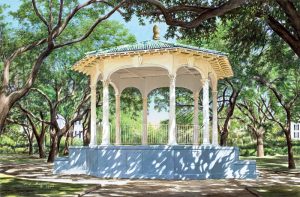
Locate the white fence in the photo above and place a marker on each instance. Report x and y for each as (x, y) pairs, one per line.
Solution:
(157, 134)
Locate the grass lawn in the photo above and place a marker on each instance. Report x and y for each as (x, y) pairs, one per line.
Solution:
(12, 186)
(15, 186)
(19, 159)
(274, 163)
(271, 191)
(278, 164)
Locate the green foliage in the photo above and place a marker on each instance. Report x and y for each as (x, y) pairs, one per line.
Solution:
(14, 140)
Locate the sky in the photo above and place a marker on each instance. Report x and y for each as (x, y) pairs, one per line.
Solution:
(141, 33)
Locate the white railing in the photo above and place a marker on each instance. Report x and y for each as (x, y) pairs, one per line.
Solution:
(185, 134)
(131, 134)
(157, 134)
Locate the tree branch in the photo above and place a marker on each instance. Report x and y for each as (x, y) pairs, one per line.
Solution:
(292, 14)
(90, 30)
(39, 15)
(277, 94)
(279, 29)
(7, 63)
(24, 110)
(203, 14)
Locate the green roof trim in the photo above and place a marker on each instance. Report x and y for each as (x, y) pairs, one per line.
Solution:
(151, 45)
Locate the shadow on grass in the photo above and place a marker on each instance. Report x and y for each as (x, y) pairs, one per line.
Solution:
(20, 159)
(12, 186)
(274, 163)
(282, 191)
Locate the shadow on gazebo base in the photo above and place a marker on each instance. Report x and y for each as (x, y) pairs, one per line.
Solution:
(157, 162)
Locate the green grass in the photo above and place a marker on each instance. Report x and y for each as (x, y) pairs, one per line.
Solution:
(282, 191)
(278, 163)
(12, 186)
(20, 159)
(275, 163)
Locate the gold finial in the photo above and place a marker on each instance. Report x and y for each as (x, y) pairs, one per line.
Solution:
(155, 32)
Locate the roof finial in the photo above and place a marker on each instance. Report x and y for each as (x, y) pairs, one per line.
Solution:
(155, 32)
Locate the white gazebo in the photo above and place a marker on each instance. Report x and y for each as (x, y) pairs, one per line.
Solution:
(154, 64)
(147, 66)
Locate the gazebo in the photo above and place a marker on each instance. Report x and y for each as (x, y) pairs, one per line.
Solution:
(147, 66)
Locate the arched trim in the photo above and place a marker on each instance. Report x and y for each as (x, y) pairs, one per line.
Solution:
(148, 65)
(201, 72)
(116, 89)
(122, 90)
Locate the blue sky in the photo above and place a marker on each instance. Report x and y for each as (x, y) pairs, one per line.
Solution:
(141, 32)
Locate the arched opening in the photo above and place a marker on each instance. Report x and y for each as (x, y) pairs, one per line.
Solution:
(158, 116)
(142, 80)
(188, 105)
(131, 116)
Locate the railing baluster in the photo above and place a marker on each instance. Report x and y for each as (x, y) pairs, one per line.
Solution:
(157, 133)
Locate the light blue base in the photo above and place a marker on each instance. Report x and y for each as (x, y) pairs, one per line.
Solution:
(156, 162)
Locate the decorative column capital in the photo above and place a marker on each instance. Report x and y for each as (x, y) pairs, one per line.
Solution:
(172, 77)
(106, 82)
(205, 80)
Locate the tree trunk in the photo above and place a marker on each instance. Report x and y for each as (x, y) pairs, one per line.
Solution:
(39, 137)
(291, 162)
(86, 133)
(41, 146)
(260, 146)
(66, 148)
(30, 148)
(86, 137)
(4, 109)
(58, 143)
(224, 135)
(232, 103)
(53, 149)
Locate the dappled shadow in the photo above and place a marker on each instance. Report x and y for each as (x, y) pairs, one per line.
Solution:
(173, 188)
(156, 162)
(283, 182)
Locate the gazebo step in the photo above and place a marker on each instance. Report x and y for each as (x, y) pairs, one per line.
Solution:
(156, 162)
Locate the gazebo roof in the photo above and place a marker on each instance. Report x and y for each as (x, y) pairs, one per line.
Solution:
(217, 60)
(152, 45)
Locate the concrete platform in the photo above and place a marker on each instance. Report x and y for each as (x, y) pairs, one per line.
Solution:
(157, 162)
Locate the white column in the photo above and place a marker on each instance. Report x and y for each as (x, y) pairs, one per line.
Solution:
(195, 118)
(105, 119)
(93, 138)
(118, 120)
(205, 104)
(215, 118)
(172, 113)
(145, 113)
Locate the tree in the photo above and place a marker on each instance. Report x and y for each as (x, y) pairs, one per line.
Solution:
(266, 18)
(198, 19)
(60, 91)
(44, 29)
(276, 69)
(253, 107)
